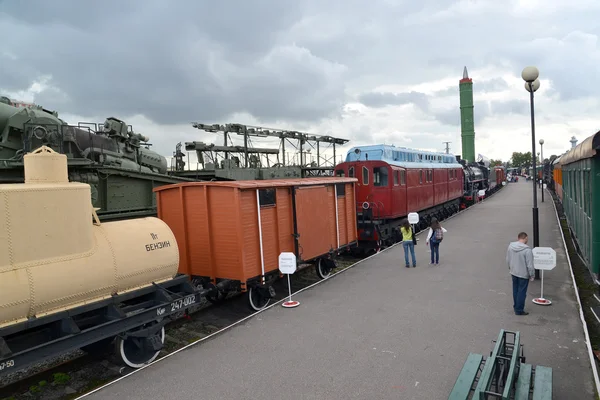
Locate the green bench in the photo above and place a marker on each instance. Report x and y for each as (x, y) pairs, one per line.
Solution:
(503, 375)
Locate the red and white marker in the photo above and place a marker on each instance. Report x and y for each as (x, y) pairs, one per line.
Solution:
(290, 303)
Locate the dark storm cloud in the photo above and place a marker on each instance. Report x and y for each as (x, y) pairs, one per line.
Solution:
(451, 116)
(520, 107)
(171, 61)
(383, 99)
(569, 62)
(448, 116)
(187, 60)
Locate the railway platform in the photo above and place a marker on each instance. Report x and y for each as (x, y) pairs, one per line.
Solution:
(381, 331)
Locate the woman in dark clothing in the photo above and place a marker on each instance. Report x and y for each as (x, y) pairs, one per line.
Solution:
(435, 236)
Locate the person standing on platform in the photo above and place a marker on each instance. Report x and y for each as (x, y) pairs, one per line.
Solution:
(435, 237)
(408, 242)
(519, 258)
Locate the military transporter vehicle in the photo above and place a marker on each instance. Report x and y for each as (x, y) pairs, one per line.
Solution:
(116, 162)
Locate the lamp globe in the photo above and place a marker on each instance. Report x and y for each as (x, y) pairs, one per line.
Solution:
(530, 74)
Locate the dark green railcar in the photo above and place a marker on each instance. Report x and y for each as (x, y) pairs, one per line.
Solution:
(113, 159)
(580, 180)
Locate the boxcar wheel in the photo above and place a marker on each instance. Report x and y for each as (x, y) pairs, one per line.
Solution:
(216, 296)
(324, 267)
(136, 352)
(258, 298)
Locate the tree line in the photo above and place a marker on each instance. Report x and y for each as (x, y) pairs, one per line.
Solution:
(518, 160)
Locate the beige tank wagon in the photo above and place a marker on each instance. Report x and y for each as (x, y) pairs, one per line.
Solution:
(67, 281)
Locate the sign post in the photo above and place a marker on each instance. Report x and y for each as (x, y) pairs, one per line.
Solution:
(413, 218)
(544, 258)
(287, 265)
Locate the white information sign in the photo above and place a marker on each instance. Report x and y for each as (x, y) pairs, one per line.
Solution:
(287, 263)
(545, 186)
(481, 193)
(544, 258)
(413, 218)
(503, 183)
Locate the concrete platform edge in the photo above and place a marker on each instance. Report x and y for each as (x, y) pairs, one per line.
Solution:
(300, 291)
(581, 316)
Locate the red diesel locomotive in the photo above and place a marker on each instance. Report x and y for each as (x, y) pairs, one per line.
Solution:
(393, 182)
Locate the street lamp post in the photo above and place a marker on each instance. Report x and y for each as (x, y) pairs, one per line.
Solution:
(542, 164)
(530, 76)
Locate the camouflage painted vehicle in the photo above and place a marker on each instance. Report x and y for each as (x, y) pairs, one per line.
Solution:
(113, 159)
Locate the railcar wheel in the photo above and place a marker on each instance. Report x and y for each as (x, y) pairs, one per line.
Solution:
(216, 296)
(324, 267)
(377, 248)
(136, 352)
(259, 297)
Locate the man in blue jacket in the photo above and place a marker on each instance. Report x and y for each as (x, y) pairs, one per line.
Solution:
(520, 265)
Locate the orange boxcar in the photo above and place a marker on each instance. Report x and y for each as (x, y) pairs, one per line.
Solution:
(224, 239)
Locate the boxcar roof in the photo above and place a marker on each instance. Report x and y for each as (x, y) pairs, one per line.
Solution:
(583, 150)
(269, 183)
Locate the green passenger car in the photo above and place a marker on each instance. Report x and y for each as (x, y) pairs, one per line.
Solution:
(580, 180)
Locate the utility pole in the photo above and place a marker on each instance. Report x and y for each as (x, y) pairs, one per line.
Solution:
(447, 147)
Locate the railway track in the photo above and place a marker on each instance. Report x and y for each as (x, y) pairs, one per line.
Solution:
(76, 373)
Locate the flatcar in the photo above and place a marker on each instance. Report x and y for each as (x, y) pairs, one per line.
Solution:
(576, 176)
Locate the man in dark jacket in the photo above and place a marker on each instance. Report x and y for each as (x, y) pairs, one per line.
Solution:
(520, 265)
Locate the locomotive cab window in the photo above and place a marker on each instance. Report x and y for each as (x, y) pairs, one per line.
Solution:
(380, 176)
(351, 172)
(340, 172)
(396, 177)
(420, 176)
(266, 197)
(365, 176)
(403, 177)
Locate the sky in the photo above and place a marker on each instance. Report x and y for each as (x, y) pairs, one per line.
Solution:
(378, 71)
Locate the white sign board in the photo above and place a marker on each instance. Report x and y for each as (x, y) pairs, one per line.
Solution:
(287, 263)
(413, 218)
(481, 193)
(544, 258)
(545, 186)
(503, 183)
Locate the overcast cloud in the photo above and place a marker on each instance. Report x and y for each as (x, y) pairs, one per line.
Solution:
(371, 72)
